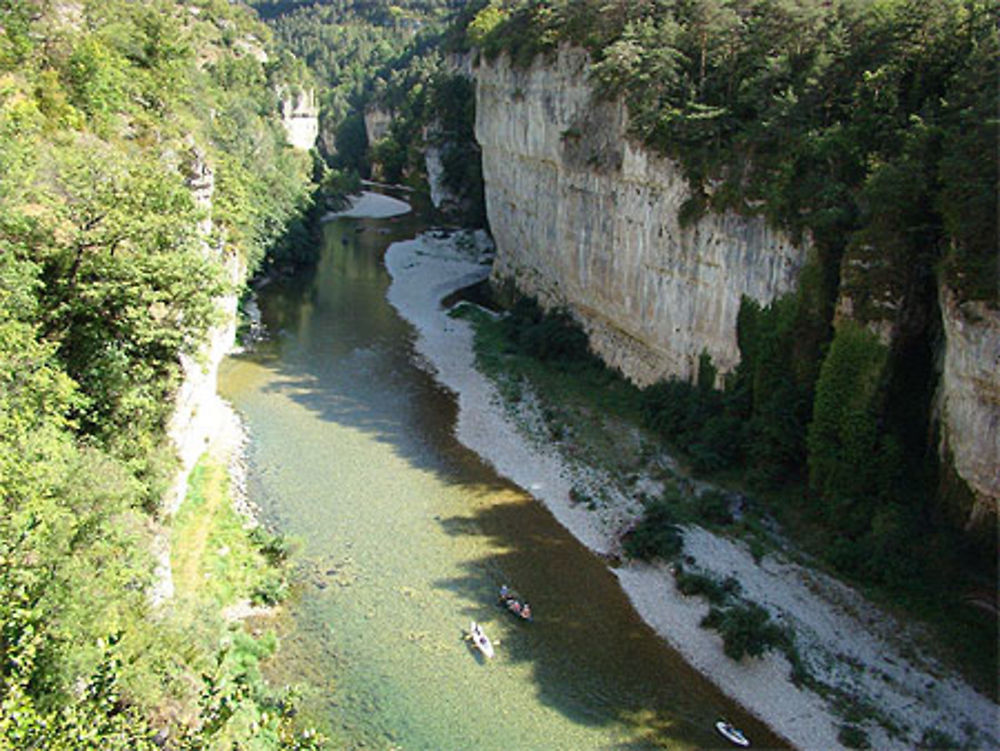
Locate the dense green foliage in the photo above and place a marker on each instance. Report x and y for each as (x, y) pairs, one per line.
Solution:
(110, 114)
(551, 337)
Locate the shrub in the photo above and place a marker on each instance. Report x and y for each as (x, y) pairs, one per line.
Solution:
(274, 548)
(934, 738)
(745, 629)
(656, 535)
(714, 590)
(853, 737)
(713, 507)
(667, 407)
(270, 591)
(552, 336)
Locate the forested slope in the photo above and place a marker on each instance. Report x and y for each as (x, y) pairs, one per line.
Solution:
(109, 113)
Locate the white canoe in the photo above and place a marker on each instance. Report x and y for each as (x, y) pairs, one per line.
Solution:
(480, 639)
(732, 733)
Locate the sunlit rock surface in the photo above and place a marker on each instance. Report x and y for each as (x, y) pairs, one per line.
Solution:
(585, 219)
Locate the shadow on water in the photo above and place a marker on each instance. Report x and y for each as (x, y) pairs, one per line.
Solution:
(586, 645)
(339, 351)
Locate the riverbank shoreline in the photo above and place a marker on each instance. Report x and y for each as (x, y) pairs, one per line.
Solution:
(850, 644)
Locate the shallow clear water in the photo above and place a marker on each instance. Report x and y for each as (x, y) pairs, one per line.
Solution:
(406, 536)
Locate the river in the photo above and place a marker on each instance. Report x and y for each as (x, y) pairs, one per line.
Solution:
(403, 537)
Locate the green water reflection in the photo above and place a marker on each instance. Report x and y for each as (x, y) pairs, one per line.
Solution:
(406, 535)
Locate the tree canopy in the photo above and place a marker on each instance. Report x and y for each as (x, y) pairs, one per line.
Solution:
(110, 114)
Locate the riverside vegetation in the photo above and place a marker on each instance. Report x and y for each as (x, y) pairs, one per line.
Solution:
(109, 112)
(598, 418)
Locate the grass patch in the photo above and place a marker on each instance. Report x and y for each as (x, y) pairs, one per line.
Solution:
(217, 559)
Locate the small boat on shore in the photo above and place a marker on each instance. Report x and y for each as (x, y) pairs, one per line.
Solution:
(512, 601)
(480, 640)
(732, 733)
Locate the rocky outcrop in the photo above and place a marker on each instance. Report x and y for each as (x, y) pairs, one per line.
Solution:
(440, 195)
(377, 122)
(300, 116)
(585, 219)
(969, 393)
(436, 149)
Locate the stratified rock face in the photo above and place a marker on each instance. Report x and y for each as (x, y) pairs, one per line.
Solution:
(970, 398)
(582, 218)
(300, 116)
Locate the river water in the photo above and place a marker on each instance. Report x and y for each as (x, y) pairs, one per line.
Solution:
(404, 537)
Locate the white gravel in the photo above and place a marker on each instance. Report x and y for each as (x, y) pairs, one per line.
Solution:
(847, 642)
(370, 205)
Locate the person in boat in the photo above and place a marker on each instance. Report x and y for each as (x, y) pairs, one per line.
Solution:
(514, 606)
(526, 611)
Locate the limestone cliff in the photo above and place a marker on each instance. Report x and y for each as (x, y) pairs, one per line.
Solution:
(377, 122)
(196, 403)
(585, 219)
(441, 196)
(969, 394)
(300, 116)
